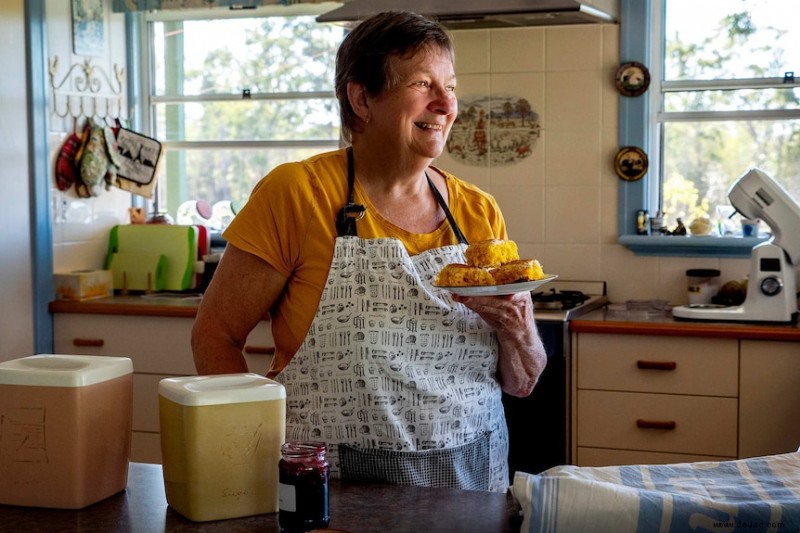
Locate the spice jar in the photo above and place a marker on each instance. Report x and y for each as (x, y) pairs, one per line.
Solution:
(303, 486)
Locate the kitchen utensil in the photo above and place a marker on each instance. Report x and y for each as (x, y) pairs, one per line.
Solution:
(771, 288)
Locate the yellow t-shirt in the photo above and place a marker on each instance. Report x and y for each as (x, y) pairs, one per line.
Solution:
(289, 222)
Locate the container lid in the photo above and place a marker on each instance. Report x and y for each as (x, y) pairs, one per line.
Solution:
(703, 272)
(220, 389)
(53, 370)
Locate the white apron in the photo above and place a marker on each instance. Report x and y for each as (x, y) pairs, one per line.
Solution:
(397, 378)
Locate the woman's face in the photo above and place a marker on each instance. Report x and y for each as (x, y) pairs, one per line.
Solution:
(416, 114)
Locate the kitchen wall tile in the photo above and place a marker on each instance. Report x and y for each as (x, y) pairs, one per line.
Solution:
(506, 45)
(610, 39)
(628, 277)
(574, 99)
(523, 208)
(573, 47)
(572, 215)
(472, 51)
(572, 261)
(609, 205)
(83, 255)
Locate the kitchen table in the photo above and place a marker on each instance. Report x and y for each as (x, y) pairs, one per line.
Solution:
(354, 507)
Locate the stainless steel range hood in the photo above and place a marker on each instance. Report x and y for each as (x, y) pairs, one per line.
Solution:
(477, 14)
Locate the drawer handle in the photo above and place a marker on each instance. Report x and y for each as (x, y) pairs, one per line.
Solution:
(655, 424)
(656, 365)
(96, 343)
(259, 350)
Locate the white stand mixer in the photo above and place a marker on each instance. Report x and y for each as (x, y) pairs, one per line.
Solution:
(771, 287)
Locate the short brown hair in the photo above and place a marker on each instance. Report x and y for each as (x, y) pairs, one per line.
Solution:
(365, 53)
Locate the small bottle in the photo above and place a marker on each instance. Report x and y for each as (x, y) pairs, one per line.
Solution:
(303, 487)
(641, 222)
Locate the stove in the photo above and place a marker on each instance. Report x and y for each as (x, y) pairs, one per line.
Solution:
(539, 425)
(563, 300)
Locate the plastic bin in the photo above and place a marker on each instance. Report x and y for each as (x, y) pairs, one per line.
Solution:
(65, 429)
(220, 444)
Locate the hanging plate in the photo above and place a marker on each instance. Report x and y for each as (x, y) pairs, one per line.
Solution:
(632, 79)
(631, 163)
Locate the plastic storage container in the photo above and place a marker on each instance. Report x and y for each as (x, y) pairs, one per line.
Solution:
(703, 285)
(221, 442)
(65, 429)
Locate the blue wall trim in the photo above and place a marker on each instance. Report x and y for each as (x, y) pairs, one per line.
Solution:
(39, 179)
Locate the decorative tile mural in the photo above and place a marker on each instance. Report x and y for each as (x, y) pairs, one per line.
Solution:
(497, 130)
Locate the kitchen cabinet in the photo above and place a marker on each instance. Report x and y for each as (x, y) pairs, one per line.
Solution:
(159, 348)
(769, 403)
(665, 392)
(650, 399)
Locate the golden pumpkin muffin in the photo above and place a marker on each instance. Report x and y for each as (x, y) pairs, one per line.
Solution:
(459, 275)
(518, 271)
(491, 253)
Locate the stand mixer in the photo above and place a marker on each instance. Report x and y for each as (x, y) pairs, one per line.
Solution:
(771, 287)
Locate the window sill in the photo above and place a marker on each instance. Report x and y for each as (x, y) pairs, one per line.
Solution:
(706, 246)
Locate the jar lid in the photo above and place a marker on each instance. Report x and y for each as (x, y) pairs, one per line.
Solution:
(703, 272)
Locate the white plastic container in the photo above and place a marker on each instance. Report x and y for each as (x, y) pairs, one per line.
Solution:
(65, 429)
(703, 285)
(221, 442)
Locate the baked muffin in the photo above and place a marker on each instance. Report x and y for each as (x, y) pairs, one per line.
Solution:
(491, 253)
(517, 271)
(460, 275)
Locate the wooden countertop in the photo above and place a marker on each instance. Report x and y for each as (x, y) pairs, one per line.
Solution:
(354, 507)
(605, 321)
(157, 304)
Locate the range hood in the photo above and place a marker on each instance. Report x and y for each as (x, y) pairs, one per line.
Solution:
(477, 14)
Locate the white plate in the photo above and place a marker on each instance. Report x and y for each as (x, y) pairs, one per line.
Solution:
(499, 290)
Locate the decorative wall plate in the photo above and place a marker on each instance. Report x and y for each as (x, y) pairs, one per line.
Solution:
(632, 79)
(631, 163)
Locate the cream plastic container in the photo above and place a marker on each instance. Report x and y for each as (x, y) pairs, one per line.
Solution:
(65, 429)
(221, 442)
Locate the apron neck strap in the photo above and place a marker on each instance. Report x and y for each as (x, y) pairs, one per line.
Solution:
(352, 212)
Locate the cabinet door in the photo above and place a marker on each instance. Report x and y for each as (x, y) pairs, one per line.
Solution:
(769, 400)
(671, 365)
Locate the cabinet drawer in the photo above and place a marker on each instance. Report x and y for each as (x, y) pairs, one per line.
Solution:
(606, 457)
(678, 365)
(629, 421)
(156, 345)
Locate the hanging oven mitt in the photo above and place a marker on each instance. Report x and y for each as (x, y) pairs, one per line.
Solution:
(66, 164)
(94, 163)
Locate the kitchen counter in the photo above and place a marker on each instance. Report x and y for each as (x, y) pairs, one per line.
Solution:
(356, 508)
(608, 321)
(155, 304)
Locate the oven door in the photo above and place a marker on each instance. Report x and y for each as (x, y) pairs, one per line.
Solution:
(538, 425)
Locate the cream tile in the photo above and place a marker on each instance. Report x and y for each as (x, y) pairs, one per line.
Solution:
(572, 215)
(609, 203)
(516, 150)
(577, 47)
(610, 46)
(88, 255)
(523, 209)
(517, 50)
(472, 51)
(628, 277)
(573, 99)
(572, 262)
(571, 157)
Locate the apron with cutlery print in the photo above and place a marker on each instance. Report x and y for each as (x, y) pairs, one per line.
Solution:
(397, 378)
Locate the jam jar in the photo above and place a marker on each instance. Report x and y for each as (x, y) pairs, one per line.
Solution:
(303, 486)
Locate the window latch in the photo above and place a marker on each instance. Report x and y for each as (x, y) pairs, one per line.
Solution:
(788, 77)
(245, 94)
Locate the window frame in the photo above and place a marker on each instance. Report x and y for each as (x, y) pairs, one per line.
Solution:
(142, 90)
(641, 38)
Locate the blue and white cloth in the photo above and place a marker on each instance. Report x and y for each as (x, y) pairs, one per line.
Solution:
(756, 494)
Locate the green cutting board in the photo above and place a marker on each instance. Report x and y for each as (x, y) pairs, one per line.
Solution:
(177, 243)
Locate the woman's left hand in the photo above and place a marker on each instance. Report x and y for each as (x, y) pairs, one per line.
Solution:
(522, 355)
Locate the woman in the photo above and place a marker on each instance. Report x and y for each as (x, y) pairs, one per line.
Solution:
(402, 380)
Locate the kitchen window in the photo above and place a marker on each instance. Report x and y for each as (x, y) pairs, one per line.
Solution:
(231, 94)
(723, 98)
